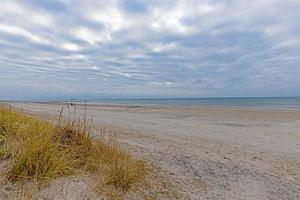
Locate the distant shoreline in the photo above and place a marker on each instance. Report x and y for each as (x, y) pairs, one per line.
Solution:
(261, 103)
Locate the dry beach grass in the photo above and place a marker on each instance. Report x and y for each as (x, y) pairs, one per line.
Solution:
(38, 151)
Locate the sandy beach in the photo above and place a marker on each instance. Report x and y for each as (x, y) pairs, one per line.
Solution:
(206, 152)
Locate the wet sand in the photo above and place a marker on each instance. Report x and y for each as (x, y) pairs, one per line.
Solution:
(208, 153)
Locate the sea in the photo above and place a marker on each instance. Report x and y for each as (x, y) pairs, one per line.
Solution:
(264, 102)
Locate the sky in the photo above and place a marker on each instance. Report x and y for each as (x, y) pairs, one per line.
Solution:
(62, 49)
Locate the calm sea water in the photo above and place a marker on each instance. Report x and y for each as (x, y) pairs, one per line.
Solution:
(284, 102)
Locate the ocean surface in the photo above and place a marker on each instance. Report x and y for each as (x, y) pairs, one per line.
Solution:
(268, 102)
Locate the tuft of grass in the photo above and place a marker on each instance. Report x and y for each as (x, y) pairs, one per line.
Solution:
(28, 144)
(122, 174)
(121, 170)
(39, 150)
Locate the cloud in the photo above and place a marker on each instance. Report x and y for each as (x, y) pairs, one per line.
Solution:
(12, 30)
(70, 47)
(91, 36)
(77, 48)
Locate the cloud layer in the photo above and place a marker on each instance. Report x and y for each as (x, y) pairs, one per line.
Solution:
(90, 49)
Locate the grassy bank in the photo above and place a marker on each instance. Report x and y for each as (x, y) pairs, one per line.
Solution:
(37, 150)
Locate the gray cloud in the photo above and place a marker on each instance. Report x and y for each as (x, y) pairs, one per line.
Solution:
(76, 48)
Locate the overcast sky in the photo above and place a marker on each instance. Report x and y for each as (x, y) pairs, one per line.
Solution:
(160, 48)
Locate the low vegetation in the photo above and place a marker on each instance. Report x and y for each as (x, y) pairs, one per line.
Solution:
(37, 150)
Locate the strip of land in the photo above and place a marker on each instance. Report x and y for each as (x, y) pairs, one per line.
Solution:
(205, 153)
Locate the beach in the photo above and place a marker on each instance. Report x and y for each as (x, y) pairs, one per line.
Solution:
(206, 152)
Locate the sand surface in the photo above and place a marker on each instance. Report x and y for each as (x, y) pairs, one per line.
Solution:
(207, 153)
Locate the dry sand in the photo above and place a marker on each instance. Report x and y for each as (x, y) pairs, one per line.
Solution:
(207, 153)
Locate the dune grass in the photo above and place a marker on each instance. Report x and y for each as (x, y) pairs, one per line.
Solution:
(38, 150)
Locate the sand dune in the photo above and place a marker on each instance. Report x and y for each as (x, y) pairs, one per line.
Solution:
(208, 153)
